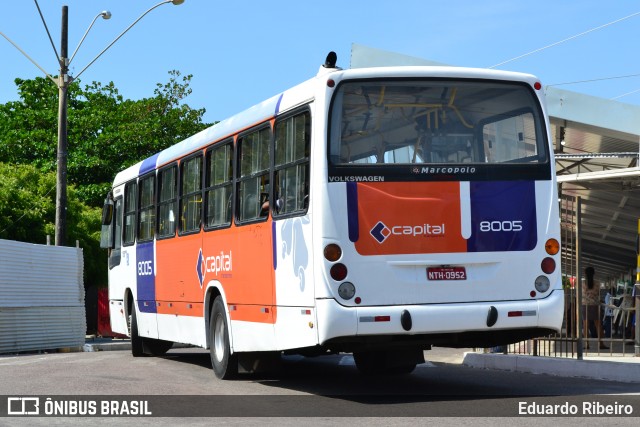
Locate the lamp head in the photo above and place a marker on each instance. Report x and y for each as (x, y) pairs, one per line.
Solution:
(177, 2)
(105, 14)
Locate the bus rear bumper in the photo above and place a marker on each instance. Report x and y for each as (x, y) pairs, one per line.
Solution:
(457, 325)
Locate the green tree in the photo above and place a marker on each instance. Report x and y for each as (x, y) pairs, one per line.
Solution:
(106, 133)
(27, 213)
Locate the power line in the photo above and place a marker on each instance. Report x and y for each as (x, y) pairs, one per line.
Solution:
(595, 80)
(625, 94)
(566, 40)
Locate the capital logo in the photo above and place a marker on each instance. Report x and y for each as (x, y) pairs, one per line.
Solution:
(380, 232)
(200, 270)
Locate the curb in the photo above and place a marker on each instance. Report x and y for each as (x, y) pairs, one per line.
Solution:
(110, 346)
(594, 369)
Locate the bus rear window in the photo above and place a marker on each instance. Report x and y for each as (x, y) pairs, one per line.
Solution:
(436, 122)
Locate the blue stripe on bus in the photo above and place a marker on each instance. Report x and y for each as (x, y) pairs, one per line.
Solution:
(146, 277)
(148, 164)
(274, 247)
(278, 105)
(352, 211)
(503, 216)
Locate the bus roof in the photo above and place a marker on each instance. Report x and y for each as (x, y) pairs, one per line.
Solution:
(297, 95)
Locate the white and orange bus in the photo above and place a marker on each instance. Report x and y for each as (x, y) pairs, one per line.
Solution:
(375, 211)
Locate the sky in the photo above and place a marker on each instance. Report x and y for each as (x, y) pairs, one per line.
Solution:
(243, 52)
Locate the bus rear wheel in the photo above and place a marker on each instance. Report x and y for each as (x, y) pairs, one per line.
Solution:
(225, 364)
(388, 362)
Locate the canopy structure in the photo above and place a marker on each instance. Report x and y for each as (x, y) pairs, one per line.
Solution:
(597, 143)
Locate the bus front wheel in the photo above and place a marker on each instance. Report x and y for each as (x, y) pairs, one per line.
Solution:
(136, 341)
(225, 364)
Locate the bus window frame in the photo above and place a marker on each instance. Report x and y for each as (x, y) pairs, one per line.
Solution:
(182, 196)
(115, 254)
(305, 160)
(542, 156)
(409, 172)
(151, 207)
(206, 189)
(127, 186)
(160, 203)
(239, 178)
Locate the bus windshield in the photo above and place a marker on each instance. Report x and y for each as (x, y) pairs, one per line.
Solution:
(439, 121)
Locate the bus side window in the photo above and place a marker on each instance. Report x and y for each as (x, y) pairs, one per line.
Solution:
(114, 254)
(191, 194)
(218, 186)
(130, 207)
(254, 160)
(146, 213)
(167, 192)
(292, 146)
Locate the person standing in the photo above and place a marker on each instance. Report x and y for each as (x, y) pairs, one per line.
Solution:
(591, 307)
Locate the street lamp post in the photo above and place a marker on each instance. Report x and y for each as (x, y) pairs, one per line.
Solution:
(63, 82)
(63, 85)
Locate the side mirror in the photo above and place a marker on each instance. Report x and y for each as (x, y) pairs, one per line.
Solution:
(107, 211)
(106, 234)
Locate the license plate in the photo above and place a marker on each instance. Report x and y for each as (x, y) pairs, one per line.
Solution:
(446, 273)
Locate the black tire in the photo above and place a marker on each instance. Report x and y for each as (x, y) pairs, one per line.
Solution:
(156, 347)
(382, 363)
(224, 364)
(367, 362)
(137, 348)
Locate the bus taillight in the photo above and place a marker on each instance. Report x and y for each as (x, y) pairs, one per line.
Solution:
(548, 265)
(552, 246)
(542, 285)
(332, 252)
(338, 272)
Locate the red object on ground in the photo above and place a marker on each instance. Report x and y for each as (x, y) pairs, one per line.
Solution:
(104, 324)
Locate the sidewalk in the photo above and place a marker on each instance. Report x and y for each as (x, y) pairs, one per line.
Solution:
(612, 368)
(93, 343)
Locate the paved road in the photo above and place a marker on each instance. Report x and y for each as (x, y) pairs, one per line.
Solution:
(317, 387)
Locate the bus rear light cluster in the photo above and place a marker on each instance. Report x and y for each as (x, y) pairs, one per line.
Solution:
(548, 266)
(339, 271)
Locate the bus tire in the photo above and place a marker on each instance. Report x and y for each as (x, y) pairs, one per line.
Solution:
(157, 347)
(137, 349)
(224, 364)
(367, 362)
(385, 362)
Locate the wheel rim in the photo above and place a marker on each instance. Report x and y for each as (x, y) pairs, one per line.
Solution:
(219, 338)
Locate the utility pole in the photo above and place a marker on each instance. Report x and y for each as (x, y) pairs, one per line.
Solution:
(63, 82)
(61, 174)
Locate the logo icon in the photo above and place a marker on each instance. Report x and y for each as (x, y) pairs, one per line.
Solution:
(200, 270)
(380, 232)
(23, 406)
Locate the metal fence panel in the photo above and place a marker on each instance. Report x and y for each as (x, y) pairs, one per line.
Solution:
(41, 297)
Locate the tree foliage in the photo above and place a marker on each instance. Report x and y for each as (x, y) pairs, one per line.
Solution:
(27, 213)
(106, 133)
